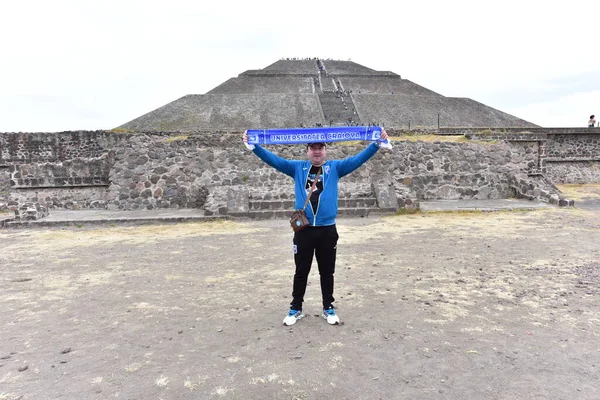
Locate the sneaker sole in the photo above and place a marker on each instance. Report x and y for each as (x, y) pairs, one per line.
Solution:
(297, 319)
(325, 318)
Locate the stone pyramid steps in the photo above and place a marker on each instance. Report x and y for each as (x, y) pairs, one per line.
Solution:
(282, 209)
(284, 214)
(364, 202)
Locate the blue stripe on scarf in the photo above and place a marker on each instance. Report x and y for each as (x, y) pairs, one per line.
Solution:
(314, 135)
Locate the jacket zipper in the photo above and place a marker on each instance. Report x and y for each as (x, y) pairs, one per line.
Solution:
(319, 201)
(305, 180)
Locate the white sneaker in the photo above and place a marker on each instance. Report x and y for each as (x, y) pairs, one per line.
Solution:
(331, 317)
(292, 317)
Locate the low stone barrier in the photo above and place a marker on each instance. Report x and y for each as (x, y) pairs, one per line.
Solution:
(30, 211)
(215, 172)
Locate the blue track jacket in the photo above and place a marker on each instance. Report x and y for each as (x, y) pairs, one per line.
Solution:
(333, 170)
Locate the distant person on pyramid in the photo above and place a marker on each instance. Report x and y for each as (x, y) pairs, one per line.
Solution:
(318, 177)
(592, 121)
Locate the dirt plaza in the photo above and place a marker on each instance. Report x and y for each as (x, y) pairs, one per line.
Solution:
(445, 305)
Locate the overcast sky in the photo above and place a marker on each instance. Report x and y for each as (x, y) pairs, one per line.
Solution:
(87, 65)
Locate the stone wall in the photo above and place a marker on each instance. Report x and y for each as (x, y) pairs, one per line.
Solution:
(466, 170)
(532, 144)
(61, 170)
(70, 198)
(573, 157)
(159, 171)
(580, 172)
(128, 171)
(201, 171)
(4, 186)
(565, 155)
(17, 148)
(68, 173)
(580, 147)
(162, 171)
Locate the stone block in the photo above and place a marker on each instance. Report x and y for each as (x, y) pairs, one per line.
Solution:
(238, 200)
(98, 205)
(385, 195)
(566, 203)
(31, 211)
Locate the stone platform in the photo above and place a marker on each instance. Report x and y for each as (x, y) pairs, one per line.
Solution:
(99, 217)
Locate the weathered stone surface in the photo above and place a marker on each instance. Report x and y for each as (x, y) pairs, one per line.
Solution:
(385, 195)
(238, 200)
(122, 174)
(30, 211)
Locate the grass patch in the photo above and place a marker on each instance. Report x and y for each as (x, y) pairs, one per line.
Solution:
(430, 138)
(458, 212)
(440, 138)
(408, 211)
(347, 143)
(501, 131)
(482, 211)
(176, 138)
(580, 191)
(121, 130)
(414, 138)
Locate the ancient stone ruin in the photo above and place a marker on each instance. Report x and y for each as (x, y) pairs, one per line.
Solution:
(216, 173)
(316, 92)
(189, 154)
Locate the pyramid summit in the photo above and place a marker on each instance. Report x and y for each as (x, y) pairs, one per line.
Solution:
(319, 92)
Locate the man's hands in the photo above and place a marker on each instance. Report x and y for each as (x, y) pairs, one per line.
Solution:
(384, 134)
(245, 140)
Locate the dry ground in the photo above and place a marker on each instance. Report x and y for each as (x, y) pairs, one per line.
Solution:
(502, 305)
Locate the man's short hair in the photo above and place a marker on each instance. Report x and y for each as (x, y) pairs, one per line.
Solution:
(320, 143)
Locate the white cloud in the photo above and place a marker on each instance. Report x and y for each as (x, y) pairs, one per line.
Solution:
(562, 111)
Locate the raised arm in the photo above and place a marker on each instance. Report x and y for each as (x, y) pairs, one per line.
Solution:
(279, 163)
(349, 164)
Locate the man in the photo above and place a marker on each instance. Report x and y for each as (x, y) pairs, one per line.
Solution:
(320, 238)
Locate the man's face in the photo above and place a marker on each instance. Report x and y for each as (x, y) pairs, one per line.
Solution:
(316, 154)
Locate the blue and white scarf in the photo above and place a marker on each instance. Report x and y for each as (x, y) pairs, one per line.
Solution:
(316, 135)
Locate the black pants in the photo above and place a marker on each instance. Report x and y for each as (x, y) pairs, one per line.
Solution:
(320, 241)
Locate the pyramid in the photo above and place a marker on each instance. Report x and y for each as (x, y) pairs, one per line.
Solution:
(319, 92)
